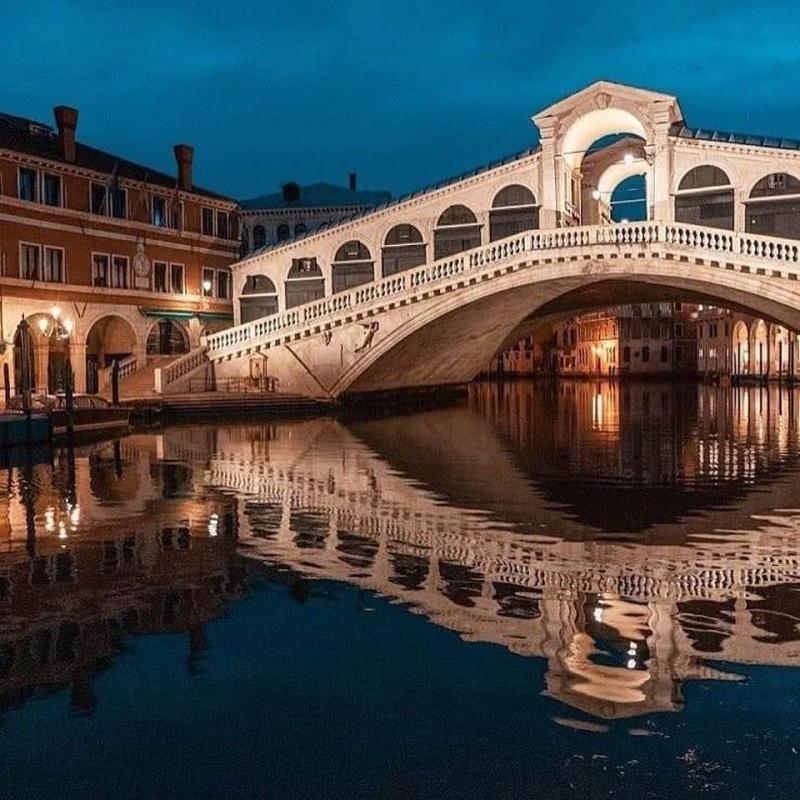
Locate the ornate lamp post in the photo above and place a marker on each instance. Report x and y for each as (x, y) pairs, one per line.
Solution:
(55, 328)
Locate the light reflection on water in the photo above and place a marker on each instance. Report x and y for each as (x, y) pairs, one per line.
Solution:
(633, 539)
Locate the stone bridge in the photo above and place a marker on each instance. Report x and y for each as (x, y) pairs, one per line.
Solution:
(426, 290)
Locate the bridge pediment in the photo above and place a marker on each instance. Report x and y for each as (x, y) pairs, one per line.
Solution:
(602, 95)
(604, 108)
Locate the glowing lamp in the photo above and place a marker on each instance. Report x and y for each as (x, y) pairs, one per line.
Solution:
(628, 158)
(56, 312)
(42, 323)
(207, 286)
(596, 194)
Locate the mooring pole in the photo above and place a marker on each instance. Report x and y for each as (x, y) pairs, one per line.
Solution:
(69, 398)
(6, 384)
(115, 382)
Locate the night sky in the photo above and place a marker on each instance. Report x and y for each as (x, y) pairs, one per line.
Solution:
(402, 93)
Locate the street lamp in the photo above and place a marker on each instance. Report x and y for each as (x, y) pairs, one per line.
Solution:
(54, 326)
(58, 329)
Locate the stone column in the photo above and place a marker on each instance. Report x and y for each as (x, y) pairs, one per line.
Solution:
(195, 329)
(739, 209)
(659, 154)
(548, 174)
(77, 358)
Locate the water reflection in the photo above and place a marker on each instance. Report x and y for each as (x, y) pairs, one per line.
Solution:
(92, 553)
(635, 537)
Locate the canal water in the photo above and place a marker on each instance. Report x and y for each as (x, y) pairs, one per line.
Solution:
(574, 589)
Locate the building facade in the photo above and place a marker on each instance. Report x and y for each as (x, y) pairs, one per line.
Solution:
(105, 259)
(730, 343)
(296, 210)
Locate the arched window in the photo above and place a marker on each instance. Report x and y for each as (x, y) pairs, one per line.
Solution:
(456, 231)
(259, 237)
(705, 197)
(645, 353)
(259, 298)
(352, 266)
(300, 229)
(773, 208)
(258, 284)
(514, 210)
(403, 249)
(304, 283)
(283, 232)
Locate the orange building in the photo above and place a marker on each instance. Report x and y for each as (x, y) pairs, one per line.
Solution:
(106, 259)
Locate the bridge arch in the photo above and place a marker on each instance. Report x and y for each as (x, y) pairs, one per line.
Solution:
(457, 229)
(705, 196)
(586, 127)
(403, 248)
(352, 266)
(779, 339)
(513, 211)
(741, 348)
(259, 298)
(452, 339)
(773, 206)
(304, 282)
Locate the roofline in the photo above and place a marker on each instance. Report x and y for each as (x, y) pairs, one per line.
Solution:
(440, 185)
(609, 87)
(198, 191)
(682, 131)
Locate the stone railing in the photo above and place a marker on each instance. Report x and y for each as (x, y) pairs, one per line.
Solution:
(764, 252)
(127, 366)
(177, 376)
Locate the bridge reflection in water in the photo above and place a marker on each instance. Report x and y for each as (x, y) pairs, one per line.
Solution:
(635, 536)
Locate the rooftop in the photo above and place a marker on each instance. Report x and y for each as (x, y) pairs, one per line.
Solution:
(39, 139)
(389, 201)
(318, 195)
(683, 131)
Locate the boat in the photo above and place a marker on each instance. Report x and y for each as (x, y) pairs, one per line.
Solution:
(92, 413)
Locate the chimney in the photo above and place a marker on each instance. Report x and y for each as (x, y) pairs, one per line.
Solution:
(352, 177)
(66, 122)
(184, 154)
(291, 192)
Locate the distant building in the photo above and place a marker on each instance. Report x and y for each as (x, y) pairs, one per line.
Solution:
(740, 345)
(635, 339)
(295, 210)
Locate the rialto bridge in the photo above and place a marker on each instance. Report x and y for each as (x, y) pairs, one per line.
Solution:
(426, 289)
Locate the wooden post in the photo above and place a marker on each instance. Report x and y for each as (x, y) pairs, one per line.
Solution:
(6, 383)
(69, 398)
(115, 383)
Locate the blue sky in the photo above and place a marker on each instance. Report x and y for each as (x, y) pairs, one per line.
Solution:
(402, 93)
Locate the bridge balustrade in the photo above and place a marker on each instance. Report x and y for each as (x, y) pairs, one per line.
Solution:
(767, 249)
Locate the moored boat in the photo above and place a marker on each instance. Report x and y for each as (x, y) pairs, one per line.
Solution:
(92, 413)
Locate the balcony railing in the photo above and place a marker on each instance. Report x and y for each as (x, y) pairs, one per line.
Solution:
(764, 251)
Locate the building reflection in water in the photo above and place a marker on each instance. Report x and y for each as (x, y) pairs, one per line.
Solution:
(95, 549)
(635, 536)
